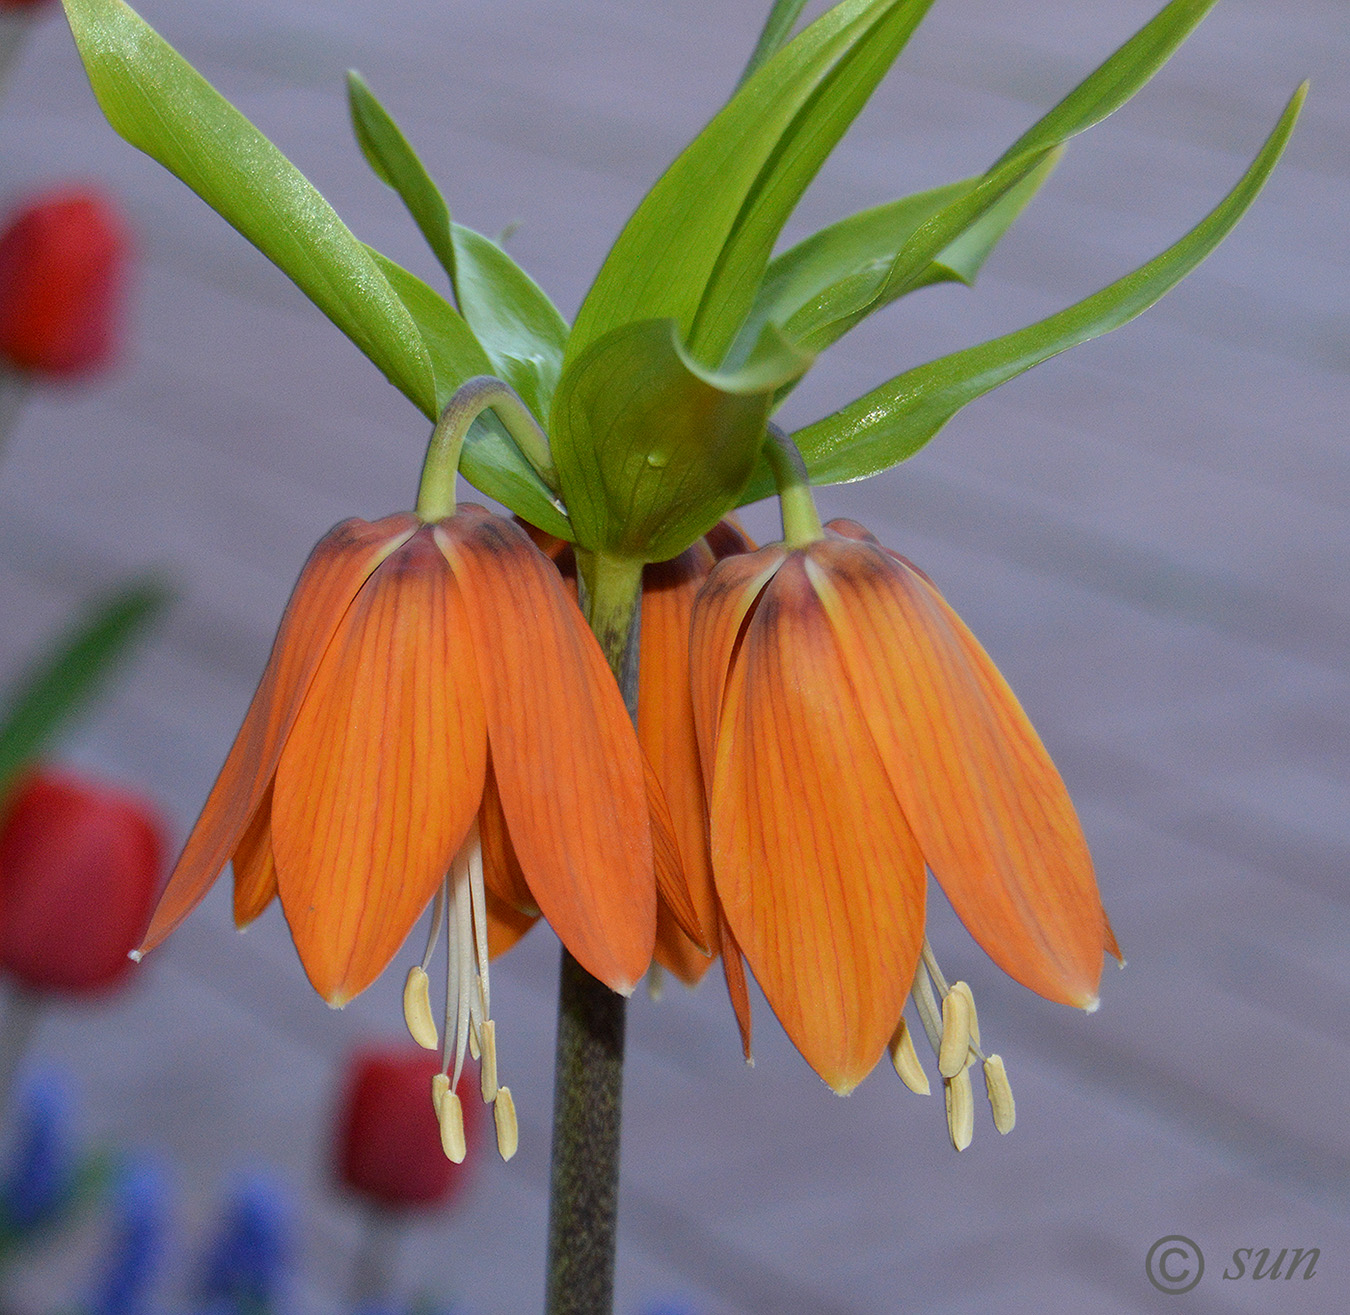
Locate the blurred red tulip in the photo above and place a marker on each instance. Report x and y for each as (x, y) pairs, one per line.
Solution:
(388, 1147)
(62, 268)
(80, 869)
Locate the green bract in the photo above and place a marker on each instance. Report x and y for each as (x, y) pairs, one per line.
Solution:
(656, 399)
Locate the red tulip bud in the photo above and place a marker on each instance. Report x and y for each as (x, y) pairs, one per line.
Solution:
(388, 1147)
(80, 869)
(62, 269)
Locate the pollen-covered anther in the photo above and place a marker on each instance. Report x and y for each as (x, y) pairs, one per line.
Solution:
(1000, 1094)
(504, 1117)
(488, 1064)
(417, 1008)
(906, 1060)
(960, 1109)
(964, 988)
(450, 1113)
(954, 1054)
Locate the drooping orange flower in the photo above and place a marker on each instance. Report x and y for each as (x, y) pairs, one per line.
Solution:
(854, 732)
(420, 667)
(666, 731)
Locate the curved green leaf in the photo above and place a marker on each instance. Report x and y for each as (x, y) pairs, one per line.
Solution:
(70, 675)
(894, 421)
(651, 449)
(696, 248)
(161, 105)
(518, 326)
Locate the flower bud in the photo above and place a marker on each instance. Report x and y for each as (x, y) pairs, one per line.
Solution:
(388, 1143)
(80, 868)
(62, 269)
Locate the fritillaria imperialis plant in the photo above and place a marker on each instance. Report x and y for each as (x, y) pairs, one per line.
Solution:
(819, 728)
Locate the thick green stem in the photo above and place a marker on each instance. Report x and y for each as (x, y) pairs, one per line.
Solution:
(588, 1074)
(436, 492)
(801, 521)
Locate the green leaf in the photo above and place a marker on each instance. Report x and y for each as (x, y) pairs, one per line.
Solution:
(161, 105)
(71, 675)
(518, 326)
(652, 450)
(490, 461)
(777, 28)
(395, 164)
(894, 421)
(697, 246)
(827, 284)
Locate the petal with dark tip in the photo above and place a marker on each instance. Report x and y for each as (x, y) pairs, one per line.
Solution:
(564, 752)
(817, 869)
(340, 564)
(382, 773)
(989, 809)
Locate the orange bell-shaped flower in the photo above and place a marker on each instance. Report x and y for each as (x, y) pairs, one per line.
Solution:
(853, 731)
(406, 651)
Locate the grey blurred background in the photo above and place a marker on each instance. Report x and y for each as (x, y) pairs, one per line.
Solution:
(1149, 535)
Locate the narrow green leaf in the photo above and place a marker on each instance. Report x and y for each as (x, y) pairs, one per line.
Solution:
(777, 28)
(519, 327)
(827, 284)
(894, 421)
(697, 246)
(395, 163)
(652, 450)
(162, 106)
(72, 673)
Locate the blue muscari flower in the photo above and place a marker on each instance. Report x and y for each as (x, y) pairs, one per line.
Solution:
(38, 1183)
(127, 1270)
(245, 1264)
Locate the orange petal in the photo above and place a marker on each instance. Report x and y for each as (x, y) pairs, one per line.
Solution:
(738, 991)
(819, 874)
(671, 888)
(382, 773)
(501, 868)
(505, 925)
(665, 725)
(337, 568)
(715, 631)
(255, 870)
(990, 810)
(565, 755)
(728, 537)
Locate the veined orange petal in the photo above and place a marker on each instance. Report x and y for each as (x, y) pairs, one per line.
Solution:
(564, 753)
(738, 991)
(714, 632)
(337, 568)
(671, 887)
(382, 773)
(665, 726)
(255, 870)
(819, 874)
(990, 811)
(501, 868)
